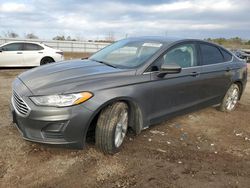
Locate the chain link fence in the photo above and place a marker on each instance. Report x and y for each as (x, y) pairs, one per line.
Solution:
(66, 46)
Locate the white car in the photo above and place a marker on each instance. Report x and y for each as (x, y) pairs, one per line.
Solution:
(26, 54)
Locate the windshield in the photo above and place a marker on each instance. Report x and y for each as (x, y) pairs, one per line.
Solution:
(126, 54)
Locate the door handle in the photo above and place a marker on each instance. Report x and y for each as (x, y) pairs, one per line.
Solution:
(194, 74)
(19, 52)
(40, 52)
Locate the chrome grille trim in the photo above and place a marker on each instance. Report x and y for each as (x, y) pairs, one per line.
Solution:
(19, 105)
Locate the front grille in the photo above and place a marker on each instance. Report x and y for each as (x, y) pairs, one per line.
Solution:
(20, 106)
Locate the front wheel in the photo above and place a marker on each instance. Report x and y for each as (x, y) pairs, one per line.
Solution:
(231, 98)
(111, 127)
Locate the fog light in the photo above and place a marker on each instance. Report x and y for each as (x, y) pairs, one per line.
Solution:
(55, 130)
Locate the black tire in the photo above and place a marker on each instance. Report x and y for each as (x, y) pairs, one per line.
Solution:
(227, 97)
(107, 124)
(46, 60)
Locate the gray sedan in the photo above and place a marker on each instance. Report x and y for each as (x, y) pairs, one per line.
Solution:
(133, 83)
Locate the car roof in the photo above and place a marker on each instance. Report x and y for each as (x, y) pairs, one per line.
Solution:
(39, 43)
(155, 39)
(167, 40)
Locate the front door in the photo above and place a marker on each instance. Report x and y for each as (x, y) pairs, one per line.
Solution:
(11, 55)
(175, 92)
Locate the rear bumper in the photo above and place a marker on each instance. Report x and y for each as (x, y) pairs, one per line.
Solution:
(58, 58)
(50, 125)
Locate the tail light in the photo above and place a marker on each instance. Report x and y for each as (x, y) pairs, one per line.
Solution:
(61, 53)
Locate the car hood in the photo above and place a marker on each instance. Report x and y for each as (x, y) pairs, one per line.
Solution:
(71, 76)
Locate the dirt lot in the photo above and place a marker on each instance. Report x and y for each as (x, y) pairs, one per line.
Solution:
(202, 149)
(75, 55)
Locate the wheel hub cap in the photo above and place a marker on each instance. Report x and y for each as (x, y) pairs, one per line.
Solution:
(232, 99)
(121, 128)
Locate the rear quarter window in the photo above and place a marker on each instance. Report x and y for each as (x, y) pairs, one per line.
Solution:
(210, 54)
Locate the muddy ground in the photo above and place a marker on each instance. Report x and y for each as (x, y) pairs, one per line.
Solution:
(207, 148)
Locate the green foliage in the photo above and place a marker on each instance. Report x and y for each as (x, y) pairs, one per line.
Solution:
(235, 42)
(248, 42)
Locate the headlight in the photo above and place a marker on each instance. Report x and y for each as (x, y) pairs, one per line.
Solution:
(61, 100)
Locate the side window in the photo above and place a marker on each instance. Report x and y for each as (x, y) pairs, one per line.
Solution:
(227, 55)
(183, 55)
(12, 47)
(31, 47)
(210, 54)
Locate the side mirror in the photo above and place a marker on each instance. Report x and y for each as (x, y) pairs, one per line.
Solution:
(169, 69)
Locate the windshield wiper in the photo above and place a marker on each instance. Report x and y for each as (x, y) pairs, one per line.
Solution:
(104, 63)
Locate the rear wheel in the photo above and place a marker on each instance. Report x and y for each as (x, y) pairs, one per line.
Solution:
(231, 98)
(111, 128)
(46, 60)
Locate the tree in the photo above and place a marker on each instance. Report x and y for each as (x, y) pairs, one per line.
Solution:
(59, 37)
(31, 36)
(70, 39)
(236, 40)
(220, 41)
(11, 34)
(62, 37)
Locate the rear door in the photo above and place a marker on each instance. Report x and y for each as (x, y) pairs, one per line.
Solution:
(32, 54)
(11, 55)
(216, 72)
(175, 92)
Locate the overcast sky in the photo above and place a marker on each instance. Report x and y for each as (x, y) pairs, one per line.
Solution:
(92, 19)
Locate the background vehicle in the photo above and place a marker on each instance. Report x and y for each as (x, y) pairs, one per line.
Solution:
(242, 54)
(132, 83)
(26, 54)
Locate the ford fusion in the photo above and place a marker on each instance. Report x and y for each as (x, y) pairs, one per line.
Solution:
(131, 84)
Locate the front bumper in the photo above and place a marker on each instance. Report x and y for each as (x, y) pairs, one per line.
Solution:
(51, 125)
